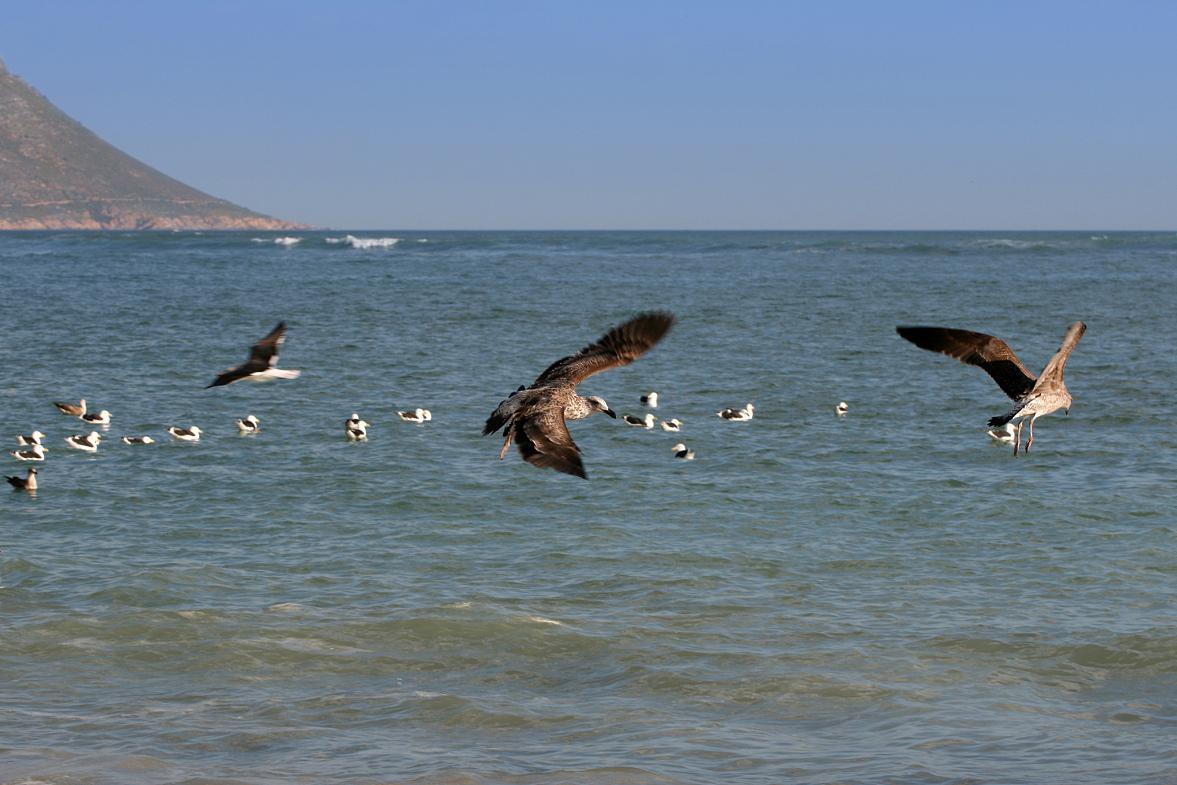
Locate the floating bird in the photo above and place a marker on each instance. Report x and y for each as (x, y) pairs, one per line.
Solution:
(355, 428)
(73, 410)
(646, 422)
(418, 415)
(262, 362)
(138, 440)
(841, 408)
(674, 426)
(101, 418)
(1034, 396)
(87, 443)
(680, 451)
(35, 453)
(1004, 436)
(190, 434)
(737, 415)
(535, 418)
(650, 399)
(33, 438)
(249, 424)
(26, 483)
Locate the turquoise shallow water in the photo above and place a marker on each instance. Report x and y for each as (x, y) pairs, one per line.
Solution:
(884, 597)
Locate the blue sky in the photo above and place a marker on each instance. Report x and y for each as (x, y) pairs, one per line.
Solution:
(597, 114)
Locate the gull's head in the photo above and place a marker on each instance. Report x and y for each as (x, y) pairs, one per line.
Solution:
(195, 429)
(37, 435)
(599, 405)
(678, 447)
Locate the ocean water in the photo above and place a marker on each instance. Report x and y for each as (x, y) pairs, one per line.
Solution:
(880, 598)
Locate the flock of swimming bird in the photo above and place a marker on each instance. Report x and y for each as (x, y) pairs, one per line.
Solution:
(535, 417)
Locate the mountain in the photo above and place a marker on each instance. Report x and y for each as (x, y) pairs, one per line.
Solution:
(57, 174)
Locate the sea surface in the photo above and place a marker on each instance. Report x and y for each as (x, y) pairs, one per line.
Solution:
(884, 597)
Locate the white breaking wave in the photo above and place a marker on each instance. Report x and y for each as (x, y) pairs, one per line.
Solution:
(363, 243)
(287, 241)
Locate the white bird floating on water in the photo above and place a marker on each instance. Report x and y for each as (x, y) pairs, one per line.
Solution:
(249, 424)
(418, 415)
(101, 418)
(87, 443)
(356, 429)
(680, 451)
(35, 453)
(189, 434)
(650, 399)
(737, 415)
(841, 408)
(35, 437)
(646, 422)
(1005, 435)
(138, 440)
(674, 426)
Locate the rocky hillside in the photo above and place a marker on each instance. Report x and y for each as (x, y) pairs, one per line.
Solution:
(56, 174)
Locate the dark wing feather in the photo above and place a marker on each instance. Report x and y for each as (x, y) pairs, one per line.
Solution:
(544, 441)
(991, 354)
(620, 346)
(265, 351)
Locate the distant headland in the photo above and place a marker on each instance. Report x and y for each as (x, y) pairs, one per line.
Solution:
(57, 174)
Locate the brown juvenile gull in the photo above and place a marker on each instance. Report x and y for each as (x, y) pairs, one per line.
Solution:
(535, 417)
(72, 409)
(26, 483)
(1033, 396)
(262, 363)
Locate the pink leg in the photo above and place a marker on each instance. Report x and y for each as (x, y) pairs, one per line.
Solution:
(1031, 440)
(507, 441)
(1018, 438)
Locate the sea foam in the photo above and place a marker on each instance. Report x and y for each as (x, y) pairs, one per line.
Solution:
(364, 243)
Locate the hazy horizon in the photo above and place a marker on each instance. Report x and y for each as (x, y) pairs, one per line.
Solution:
(660, 116)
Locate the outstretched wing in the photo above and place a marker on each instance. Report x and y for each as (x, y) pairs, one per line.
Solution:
(265, 351)
(544, 441)
(262, 355)
(991, 354)
(1053, 372)
(620, 346)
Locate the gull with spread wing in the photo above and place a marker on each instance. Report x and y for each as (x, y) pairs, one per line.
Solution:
(1034, 396)
(535, 417)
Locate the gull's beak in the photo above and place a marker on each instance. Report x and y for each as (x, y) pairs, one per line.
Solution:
(611, 413)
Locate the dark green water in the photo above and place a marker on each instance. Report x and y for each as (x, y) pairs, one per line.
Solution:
(884, 597)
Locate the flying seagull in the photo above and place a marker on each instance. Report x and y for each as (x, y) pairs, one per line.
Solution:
(535, 417)
(1034, 396)
(262, 363)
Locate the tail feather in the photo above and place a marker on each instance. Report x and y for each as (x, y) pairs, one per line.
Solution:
(1003, 419)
